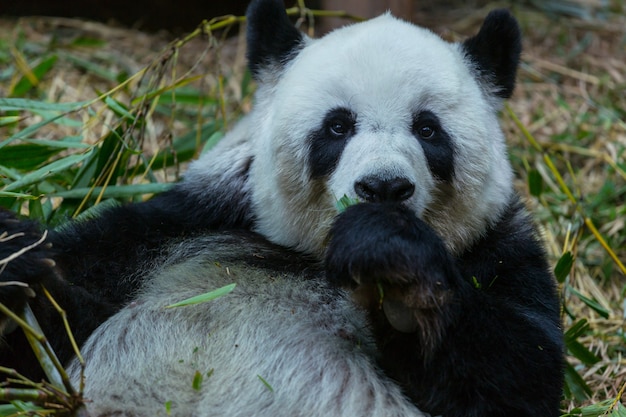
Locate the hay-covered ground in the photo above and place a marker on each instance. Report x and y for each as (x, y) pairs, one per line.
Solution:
(165, 101)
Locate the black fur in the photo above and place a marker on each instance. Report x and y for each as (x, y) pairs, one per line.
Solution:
(272, 39)
(35, 267)
(438, 147)
(326, 144)
(17, 235)
(496, 50)
(493, 342)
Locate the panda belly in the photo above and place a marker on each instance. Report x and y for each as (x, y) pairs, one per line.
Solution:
(279, 344)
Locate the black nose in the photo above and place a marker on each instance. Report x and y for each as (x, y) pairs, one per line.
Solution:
(376, 190)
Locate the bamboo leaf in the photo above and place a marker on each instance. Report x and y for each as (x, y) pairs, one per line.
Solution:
(618, 411)
(90, 66)
(68, 142)
(87, 41)
(267, 385)
(205, 297)
(344, 202)
(197, 381)
(26, 83)
(17, 408)
(28, 131)
(593, 304)
(576, 330)
(7, 120)
(563, 267)
(44, 172)
(582, 353)
(535, 183)
(118, 108)
(594, 410)
(16, 195)
(35, 209)
(23, 104)
(574, 384)
(26, 156)
(115, 191)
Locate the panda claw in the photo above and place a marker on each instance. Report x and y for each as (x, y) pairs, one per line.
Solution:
(49, 262)
(30, 293)
(400, 316)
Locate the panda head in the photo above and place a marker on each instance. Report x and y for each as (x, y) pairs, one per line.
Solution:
(378, 111)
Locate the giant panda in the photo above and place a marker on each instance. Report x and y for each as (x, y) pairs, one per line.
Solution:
(430, 295)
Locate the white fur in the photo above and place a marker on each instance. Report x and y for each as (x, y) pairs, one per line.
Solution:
(311, 345)
(221, 168)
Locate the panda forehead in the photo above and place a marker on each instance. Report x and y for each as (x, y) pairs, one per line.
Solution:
(384, 30)
(384, 61)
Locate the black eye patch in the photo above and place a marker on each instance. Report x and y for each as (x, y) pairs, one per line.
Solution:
(328, 141)
(436, 143)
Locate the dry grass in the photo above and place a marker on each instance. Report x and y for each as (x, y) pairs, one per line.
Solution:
(571, 100)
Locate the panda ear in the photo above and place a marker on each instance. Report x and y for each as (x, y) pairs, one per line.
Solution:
(272, 39)
(495, 51)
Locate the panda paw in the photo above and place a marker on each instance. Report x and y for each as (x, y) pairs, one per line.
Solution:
(393, 259)
(25, 260)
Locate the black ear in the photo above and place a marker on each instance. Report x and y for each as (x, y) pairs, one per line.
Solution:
(272, 38)
(496, 50)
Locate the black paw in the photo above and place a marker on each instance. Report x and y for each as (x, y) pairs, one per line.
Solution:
(384, 251)
(25, 261)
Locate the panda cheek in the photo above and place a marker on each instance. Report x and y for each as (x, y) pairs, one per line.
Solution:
(440, 158)
(324, 155)
(327, 142)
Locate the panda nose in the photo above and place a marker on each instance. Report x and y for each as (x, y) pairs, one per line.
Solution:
(376, 190)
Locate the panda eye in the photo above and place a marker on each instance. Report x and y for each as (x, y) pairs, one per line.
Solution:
(426, 131)
(338, 128)
(425, 125)
(340, 124)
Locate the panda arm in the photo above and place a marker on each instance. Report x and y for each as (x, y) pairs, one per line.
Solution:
(506, 346)
(487, 340)
(106, 254)
(93, 267)
(502, 354)
(498, 359)
(27, 260)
